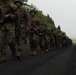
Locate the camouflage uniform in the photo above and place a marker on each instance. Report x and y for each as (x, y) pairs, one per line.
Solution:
(52, 40)
(43, 39)
(33, 37)
(23, 23)
(1, 33)
(33, 41)
(1, 41)
(7, 28)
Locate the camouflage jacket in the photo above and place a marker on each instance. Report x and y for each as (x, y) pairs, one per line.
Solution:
(8, 9)
(23, 17)
(34, 22)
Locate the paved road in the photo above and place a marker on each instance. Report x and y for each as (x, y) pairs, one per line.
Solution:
(57, 62)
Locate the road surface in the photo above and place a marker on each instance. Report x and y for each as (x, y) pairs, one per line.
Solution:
(57, 62)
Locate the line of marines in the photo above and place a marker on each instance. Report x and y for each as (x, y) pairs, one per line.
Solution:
(18, 25)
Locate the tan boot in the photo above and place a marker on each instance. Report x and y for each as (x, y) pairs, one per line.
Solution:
(3, 58)
(18, 55)
(46, 50)
(34, 52)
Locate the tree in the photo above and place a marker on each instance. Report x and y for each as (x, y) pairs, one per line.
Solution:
(59, 28)
(50, 19)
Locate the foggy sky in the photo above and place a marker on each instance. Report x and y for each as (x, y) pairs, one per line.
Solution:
(63, 12)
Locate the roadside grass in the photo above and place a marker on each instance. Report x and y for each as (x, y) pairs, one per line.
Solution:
(74, 42)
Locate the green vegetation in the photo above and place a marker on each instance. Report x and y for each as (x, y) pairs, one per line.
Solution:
(74, 41)
(45, 19)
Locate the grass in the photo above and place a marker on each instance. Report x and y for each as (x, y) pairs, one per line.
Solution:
(74, 41)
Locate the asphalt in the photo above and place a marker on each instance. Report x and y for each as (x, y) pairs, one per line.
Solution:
(56, 62)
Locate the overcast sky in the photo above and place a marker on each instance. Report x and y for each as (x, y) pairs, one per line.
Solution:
(63, 12)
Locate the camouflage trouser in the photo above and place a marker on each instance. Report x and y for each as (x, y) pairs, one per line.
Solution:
(52, 44)
(21, 38)
(1, 41)
(33, 39)
(8, 38)
(43, 43)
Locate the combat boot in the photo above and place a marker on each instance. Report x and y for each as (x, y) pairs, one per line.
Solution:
(46, 50)
(19, 55)
(34, 52)
(3, 58)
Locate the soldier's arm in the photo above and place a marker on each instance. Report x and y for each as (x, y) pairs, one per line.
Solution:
(28, 21)
(13, 15)
(38, 21)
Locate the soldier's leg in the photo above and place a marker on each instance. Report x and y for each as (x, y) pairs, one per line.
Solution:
(13, 49)
(33, 44)
(11, 40)
(3, 46)
(25, 39)
(17, 41)
(41, 45)
(21, 43)
(30, 41)
(19, 50)
(46, 46)
(51, 45)
(33, 47)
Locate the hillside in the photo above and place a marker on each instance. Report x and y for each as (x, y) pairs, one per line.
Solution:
(74, 41)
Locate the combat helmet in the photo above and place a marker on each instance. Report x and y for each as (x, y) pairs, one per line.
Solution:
(18, 1)
(33, 10)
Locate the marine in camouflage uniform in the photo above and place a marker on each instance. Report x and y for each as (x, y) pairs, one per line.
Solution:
(53, 39)
(63, 39)
(33, 41)
(7, 28)
(33, 37)
(57, 39)
(23, 23)
(48, 39)
(43, 38)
